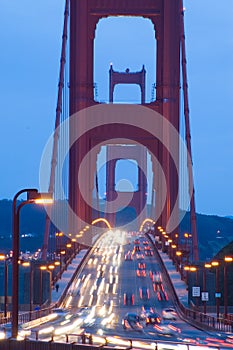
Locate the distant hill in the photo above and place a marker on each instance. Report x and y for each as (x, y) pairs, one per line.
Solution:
(214, 232)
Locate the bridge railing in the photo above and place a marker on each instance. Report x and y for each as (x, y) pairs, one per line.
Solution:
(86, 341)
(193, 316)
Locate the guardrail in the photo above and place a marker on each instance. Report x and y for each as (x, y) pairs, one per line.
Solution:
(194, 317)
(86, 341)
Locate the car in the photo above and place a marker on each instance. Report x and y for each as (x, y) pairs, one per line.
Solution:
(169, 313)
(137, 248)
(131, 321)
(139, 256)
(149, 253)
(142, 265)
(128, 298)
(156, 286)
(168, 330)
(156, 276)
(162, 295)
(153, 318)
(60, 311)
(146, 310)
(144, 293)
(128, 256)
(84, 311)
(141, 272)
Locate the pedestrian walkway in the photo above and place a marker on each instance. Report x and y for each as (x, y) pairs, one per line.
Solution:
(66, 277)
(179, 285)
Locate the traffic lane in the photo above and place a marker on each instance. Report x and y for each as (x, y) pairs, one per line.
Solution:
(107, 276)
(128, 276)
(101, 259)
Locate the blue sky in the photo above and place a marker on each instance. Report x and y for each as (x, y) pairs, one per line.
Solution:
(29, 65)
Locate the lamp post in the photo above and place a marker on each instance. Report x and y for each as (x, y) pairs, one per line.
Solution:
(227, 259)
(42, 268)
(217, 289)
(31, 277)
(4, 258)
(179, 262)
(186, 269)
(195, 269)
(62, 254)
(32, 197)
(206, 266)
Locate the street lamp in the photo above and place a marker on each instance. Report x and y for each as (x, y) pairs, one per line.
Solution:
(197, 288)
(217, 291)
(4, 258)
(42, 268)
(206, 266)
(31, 296)
(49, 269)
(179, 261)
(227, 259)
(33, 197)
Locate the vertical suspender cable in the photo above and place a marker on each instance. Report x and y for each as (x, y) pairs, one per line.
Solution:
(97, 194)
(152, 198)
(57, 123)
(195, 255)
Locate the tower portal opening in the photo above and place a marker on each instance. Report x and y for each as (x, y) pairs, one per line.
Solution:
(126, 42)
(126, 175)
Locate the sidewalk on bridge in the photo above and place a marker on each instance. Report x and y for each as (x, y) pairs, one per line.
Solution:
(179, 285)
(66, 276)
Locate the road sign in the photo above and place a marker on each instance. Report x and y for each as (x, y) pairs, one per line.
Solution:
(204, 296)
(217, 295)
(196, 291)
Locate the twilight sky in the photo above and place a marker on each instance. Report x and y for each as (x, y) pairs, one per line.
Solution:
(29, 64)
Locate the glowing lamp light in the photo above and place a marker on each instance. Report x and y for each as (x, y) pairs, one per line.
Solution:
(2, 257)
(228, 259)
(192, 268)
(208, 266)
(44, 198)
